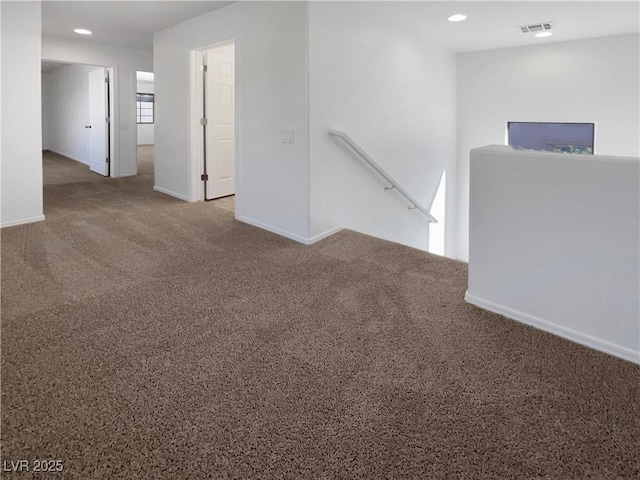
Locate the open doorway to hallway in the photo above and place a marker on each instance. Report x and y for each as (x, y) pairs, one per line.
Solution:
(214, 167)
(77, 104)
(77, 173)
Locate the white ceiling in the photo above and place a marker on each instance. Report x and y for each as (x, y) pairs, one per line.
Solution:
(123, 23)
(492, 25)
(489, 25)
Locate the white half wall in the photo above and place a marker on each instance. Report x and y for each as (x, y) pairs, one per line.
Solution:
(554, 243)
(393, 91)
(145, 130)
(21, 135)
(125, 62)
(593, 80)
(65, 93)
(272, 178)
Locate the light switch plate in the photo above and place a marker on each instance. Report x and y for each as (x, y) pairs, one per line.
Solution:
(287, 136)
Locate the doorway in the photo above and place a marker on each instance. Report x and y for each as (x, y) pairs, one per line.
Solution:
(145, 120)
(214, 169)
(77, 106)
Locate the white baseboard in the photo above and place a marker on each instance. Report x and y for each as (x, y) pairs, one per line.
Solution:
(271, 228)
(325, 234)
(22, 221)
(564, 332)
(69, 156)
(284, 233)
(170, 193)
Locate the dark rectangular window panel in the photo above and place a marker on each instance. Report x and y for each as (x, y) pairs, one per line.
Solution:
(552, 137)
(144, 107)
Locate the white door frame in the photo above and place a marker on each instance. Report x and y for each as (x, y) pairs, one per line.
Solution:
(113, 80)
(196, 154)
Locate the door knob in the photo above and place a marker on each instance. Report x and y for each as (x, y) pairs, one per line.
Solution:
(87, 126)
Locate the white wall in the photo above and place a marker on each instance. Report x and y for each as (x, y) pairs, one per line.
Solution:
(125, 62)
(65, 93)
(394, 92)
(45, 100)
(272, 178)
(21, 137)
(594, 80)
(145, 130)
(554, 243)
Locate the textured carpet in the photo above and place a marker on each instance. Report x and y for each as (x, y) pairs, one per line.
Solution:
(145, 159)
(148, 338)
(60, 170)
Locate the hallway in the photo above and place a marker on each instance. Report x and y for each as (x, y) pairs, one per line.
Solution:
(70, 188)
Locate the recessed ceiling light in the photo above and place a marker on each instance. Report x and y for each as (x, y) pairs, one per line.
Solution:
(543, 34)
(83, 31)
(457, 18)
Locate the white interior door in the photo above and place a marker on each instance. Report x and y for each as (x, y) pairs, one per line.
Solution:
(98, 138)
(219, 104)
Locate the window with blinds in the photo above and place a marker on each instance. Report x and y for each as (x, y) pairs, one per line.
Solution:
(144, 106)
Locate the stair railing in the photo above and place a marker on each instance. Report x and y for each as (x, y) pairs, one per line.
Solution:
(380, 171)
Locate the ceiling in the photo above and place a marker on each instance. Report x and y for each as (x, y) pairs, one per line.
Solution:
(490, 25)
(128, 24)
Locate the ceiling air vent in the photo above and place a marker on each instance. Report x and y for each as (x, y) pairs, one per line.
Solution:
(536, 27)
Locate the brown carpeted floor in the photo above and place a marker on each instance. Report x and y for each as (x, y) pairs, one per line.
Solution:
(148, 338)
